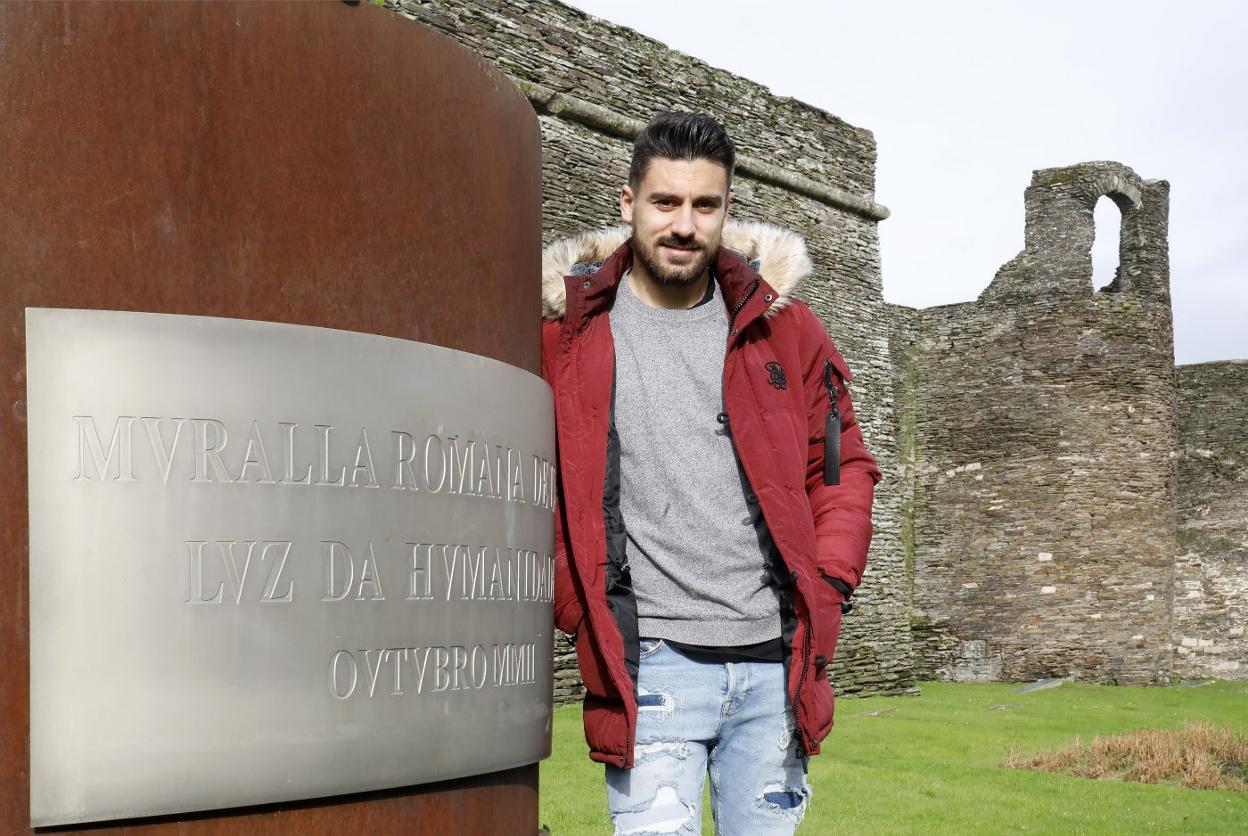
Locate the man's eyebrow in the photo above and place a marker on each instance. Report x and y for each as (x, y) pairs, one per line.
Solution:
(712, 199)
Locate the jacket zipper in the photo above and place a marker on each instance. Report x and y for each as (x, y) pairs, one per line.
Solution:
(831, 430)
(732, 332)
(831, 476)
(732, 316)
(801, 680)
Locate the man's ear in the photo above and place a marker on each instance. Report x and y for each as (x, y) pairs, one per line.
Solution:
(626, 204)
(728, 203)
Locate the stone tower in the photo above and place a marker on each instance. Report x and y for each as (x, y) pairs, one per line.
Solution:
(1038, 438)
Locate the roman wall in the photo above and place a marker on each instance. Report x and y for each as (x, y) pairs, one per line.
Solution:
(1211, 572)
(1039, 451)
(594, 85)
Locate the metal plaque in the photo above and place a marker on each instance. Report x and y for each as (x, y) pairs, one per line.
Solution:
(271, 562)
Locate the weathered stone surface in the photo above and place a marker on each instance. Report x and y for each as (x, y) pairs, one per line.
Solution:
(1211, 572)
(1039, 429)
(568, 51)
(568, 687)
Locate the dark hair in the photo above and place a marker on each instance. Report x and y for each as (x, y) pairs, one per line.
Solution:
(681, 136)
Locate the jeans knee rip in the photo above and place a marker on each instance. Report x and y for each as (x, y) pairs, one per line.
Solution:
(666, 813)
(784, 739)
(654, 749)
(789, 802)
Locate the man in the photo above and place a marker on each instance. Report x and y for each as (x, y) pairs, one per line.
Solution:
(715, 494)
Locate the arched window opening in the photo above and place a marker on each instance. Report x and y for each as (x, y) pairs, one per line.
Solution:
(1106, 245)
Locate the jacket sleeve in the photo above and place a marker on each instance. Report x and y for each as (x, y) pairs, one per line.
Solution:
(842, 513)
(568, 608)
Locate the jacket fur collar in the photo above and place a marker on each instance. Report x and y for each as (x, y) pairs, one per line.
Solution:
(777, 254)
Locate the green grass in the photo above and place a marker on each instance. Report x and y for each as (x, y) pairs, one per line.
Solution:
(932, 764)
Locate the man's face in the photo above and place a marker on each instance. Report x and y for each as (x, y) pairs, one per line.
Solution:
(677, 214)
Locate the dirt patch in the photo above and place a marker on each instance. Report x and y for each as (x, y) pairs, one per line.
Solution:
(1199, 756)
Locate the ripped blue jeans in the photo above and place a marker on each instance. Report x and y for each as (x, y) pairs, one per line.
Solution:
(731, 719)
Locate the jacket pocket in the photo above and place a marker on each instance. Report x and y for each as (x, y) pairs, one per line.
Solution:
(827, 622)
(649, 647)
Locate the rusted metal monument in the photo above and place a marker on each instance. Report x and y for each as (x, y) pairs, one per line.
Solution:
(294, 164)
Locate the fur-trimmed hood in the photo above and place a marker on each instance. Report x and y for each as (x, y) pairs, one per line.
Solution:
(775, 253)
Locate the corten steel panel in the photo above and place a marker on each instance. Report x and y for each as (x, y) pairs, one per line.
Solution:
(311, 163)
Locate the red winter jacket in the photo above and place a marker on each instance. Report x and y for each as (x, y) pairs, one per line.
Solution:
(779, 371)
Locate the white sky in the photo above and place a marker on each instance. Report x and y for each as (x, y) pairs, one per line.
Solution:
(967, 97)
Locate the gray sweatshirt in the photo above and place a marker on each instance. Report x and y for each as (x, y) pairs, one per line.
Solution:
(697, 566)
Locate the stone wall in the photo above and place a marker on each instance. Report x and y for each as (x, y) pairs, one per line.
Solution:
(594, 85)
(1038, 432)
(1211, 573)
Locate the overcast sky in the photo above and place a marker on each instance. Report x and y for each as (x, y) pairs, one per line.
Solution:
(966, 98)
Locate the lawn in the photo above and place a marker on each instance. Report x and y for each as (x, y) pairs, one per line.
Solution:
(932, 764)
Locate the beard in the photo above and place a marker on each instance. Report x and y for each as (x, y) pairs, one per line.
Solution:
(675, 275)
